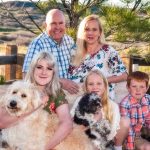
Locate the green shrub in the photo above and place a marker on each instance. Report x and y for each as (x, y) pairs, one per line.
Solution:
(2, 79)
(72, 32)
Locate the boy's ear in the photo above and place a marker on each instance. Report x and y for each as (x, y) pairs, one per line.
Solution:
(127, 87)
(147, 88)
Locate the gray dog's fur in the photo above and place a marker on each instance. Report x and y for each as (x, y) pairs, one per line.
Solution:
(97, 131)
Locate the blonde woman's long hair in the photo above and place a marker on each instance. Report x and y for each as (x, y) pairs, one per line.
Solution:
(52, 87)
(81, 45)
(105, 98)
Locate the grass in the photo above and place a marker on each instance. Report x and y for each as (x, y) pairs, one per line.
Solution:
(2, 29)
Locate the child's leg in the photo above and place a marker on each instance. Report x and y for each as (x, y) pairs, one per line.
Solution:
(141, 144)
(122, 132)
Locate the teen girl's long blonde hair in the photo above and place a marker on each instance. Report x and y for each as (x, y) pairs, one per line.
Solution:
(81, 44)
(105, 100)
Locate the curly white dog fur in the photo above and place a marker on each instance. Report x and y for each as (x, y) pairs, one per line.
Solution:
(98, 131)
(34, 130)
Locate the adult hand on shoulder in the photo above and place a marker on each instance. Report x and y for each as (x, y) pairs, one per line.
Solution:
(69, 86)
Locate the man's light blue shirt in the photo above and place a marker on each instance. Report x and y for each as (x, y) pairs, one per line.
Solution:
(62, 52)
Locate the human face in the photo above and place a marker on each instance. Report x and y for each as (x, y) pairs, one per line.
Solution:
(137, 89)
(95, 84)
(92, 32)
(43, 73)
(55, 26)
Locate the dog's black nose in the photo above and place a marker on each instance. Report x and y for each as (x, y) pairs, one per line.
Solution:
(13, 103)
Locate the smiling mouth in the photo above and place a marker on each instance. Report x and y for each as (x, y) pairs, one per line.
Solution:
(43, 77)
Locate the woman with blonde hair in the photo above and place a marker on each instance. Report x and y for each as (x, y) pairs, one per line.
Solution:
(96, 82)
(43, 74)
(93, 53)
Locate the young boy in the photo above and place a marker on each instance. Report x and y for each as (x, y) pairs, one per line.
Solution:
(136, 106)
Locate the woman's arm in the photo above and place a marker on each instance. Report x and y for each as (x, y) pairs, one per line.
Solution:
(64, 128)
(116, 79)
(5, 119)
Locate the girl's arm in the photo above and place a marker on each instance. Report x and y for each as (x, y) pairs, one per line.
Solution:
(116, 120)
(64, 128)
(5, 119)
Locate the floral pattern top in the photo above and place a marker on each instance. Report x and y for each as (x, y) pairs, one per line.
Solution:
(106, 60)
(55, 102)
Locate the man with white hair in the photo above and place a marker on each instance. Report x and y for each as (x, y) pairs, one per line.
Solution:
(54, 40)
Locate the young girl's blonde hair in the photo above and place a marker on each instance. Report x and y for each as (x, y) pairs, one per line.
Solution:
(105, 100)
(81, 44)
(52, 87)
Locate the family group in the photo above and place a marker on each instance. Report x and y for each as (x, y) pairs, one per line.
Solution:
(54, 63)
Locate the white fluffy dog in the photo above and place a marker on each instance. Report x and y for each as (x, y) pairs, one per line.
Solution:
(34, 130)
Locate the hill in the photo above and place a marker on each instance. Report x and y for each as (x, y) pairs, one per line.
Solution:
(10, 12)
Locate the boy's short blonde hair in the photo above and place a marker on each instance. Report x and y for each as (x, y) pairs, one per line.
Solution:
(139, 76)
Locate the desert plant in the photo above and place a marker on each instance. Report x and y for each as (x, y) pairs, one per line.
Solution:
(144, 54)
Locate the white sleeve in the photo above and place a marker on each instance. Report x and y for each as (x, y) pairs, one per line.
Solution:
(115, 125)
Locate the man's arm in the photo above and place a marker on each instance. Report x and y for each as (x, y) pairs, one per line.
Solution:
(69, 86)
(23, 75)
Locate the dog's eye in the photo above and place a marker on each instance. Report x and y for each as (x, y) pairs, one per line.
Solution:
(14, 92)
(23, 95)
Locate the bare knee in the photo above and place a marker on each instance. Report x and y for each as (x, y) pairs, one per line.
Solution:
(142, 144)
(143, 147)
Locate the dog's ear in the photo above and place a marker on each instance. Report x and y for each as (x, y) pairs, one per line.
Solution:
(83, 104)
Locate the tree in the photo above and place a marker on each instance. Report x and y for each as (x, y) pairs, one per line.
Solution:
(126, 25)
(137, 4)
(73, 8)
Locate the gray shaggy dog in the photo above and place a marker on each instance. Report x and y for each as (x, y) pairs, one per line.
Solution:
(97, 131)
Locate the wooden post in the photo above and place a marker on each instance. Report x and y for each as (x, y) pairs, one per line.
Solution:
(130, 64)
(10, 70)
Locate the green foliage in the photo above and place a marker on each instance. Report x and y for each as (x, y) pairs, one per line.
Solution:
(126, 25)
(72, 32)
(49, 4)
(2, 29)
(2, 79)
(134, 52)
(145, 54)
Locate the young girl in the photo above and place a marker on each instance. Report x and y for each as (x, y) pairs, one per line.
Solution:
(43, 74)
(96, 82)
